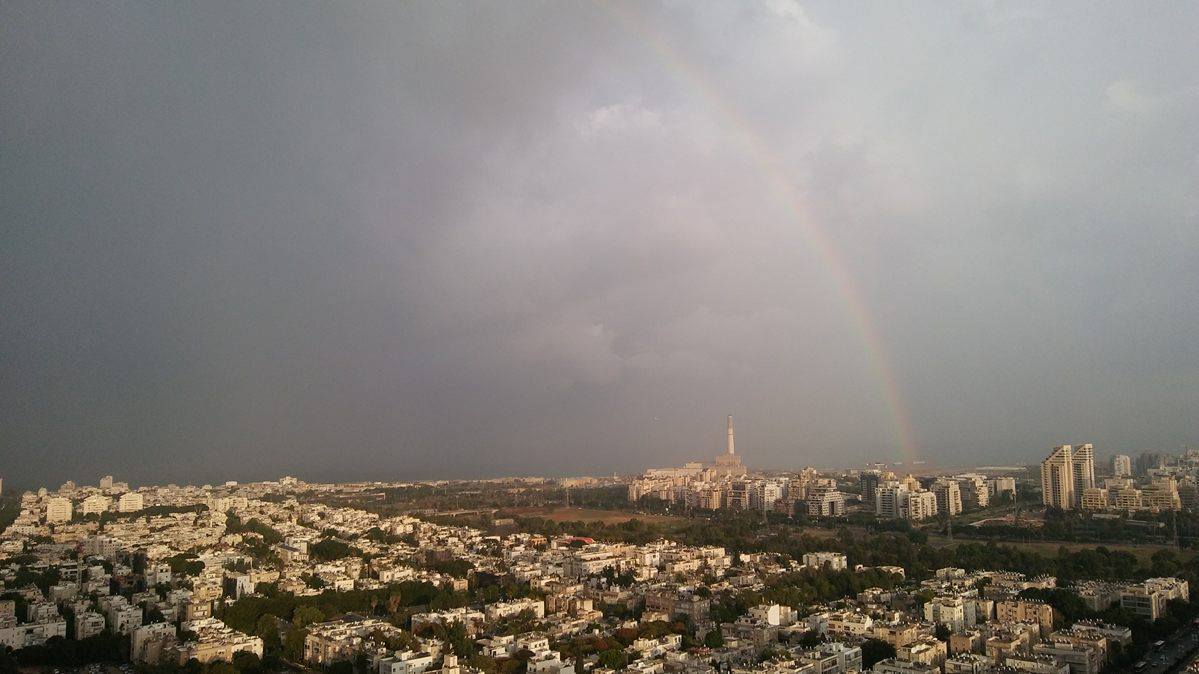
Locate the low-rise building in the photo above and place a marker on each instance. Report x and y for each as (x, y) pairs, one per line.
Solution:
(152, 643)
(23, 635)
(1082, 658)
(834, 561)
(212, 640)
(88, 624)
(1026, 610)
(897, 666)
(405, 662)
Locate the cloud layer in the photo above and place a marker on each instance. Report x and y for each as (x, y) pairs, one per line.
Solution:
(381, 241)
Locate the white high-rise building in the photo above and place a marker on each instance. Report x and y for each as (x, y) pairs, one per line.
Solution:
(58, 509)
(892, 500)
(949, 496)
(106, 482)
(763, 495)
(1057, 478)
(1083, 459)
(827, 504)
(974, 490)
(1121, 465)
(922, 505)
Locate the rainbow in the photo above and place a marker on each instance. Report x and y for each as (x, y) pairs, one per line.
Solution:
(772, 167)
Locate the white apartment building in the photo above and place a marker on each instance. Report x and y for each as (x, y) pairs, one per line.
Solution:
(95, 504)
(507, 609)
(826, 504)
(948, 493)
(32, 634)
(88, 624)
(123, 618)
(149, 643)
(405, 662)
(848, 623)
(473, 620)
(763, 495)
(818, 560)
(975, 489)
(1094, 498)
(775, 615)
(833, 658)
(1082, 659)
(130, 502)
(1001, 485)
(1161, 494)
(896, 666)
(953, 612)
(215, 641)
(342, 639)
(891, 500)
(1128, 498)
(588, 561)
(922, 505)
(58, 509)
(1150, 598)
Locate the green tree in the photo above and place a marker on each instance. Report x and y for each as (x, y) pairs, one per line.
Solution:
(307, 615)
(247, 663)
(614, 658)
(874, 650)
(268, 630)
(293, 644)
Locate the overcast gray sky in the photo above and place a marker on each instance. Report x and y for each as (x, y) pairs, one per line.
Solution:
(409, 240)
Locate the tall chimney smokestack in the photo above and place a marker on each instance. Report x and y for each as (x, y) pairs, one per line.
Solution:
(729, 450)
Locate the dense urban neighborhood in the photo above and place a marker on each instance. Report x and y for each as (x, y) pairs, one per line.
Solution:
(388, 578)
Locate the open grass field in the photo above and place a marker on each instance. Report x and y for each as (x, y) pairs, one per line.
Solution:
(561, 514)
(1143, 551)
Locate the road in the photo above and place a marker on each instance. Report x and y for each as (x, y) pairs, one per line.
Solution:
(1174, 655)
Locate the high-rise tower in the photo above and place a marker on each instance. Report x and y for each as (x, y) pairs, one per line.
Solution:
(1121, 465)
(1057, 478)
(729, 463)
(1083, 460)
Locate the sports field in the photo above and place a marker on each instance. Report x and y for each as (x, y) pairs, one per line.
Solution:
(1143, 551)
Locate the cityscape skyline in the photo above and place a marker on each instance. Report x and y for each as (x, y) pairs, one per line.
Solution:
(922, 467)
(394, 337)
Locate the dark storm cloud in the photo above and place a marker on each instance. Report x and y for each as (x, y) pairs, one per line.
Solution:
(384, 241)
